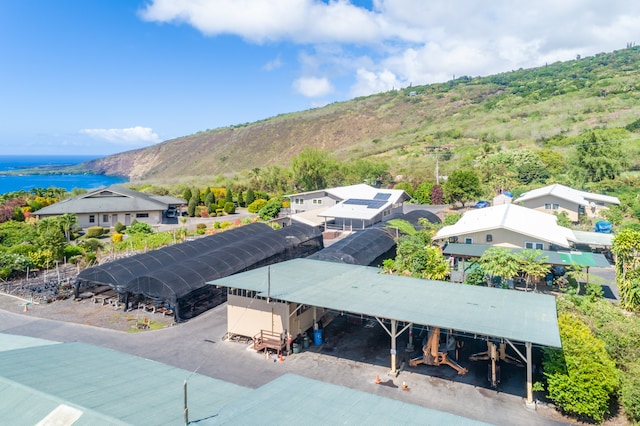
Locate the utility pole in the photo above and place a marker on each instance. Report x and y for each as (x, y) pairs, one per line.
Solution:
(436, 150)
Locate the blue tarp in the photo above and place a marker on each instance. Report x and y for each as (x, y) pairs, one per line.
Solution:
(603, 227)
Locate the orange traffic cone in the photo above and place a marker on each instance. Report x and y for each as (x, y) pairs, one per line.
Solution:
(281, 358)
(405, 387)
(25, 308)
(377, 379)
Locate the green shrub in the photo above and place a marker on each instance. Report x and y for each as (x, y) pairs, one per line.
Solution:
(145, 241)
(12, 264)
(630, 392)
(91, 244)
(225, 224)
(229, 208)
(582, 377)
(216, 225)
(95, 231)
(116, 238)
(270, 209)
(256, 205)
(140, 228)
(119, 227)
(201, 226)
(72, 252)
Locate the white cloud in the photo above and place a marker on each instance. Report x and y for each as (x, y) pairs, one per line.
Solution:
(132, 136)
(397, 42)
(312, 87)
(273, 64)
(302, 21)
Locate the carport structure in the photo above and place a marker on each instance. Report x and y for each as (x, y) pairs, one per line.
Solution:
(586, 259)
(400, 302)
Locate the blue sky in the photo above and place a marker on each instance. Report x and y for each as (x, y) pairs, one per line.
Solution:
(106, 76)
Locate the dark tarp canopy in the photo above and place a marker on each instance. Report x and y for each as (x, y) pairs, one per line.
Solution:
(368, 247)
(177, 275)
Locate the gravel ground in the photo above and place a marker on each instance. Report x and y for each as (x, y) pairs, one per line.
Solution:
(86, 312)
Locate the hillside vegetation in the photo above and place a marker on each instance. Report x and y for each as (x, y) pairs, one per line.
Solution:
(535, 108)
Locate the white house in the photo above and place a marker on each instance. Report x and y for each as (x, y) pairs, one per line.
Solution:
(558, 198)
(347, 207)
(508, 225)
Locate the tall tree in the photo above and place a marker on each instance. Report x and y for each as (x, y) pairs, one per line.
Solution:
(462, 186)
(499, 262)
(67, 222)
(597, 158)
(251, 196)
(626, 247)
(311, 169)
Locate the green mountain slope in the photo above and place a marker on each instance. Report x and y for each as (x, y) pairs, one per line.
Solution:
(531, 108)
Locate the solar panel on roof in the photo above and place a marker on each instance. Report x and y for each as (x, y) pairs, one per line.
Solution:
(381, 196)
(370, 204)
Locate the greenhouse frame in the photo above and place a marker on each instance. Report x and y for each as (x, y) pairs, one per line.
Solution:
(177, 276)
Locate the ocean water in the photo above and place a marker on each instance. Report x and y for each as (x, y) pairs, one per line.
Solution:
(26, 182)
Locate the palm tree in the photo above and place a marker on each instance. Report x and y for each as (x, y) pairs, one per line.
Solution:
(534, 265)
(67, 222)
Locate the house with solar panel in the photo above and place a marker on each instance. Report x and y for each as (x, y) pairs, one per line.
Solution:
(558, 198)
(348, 207)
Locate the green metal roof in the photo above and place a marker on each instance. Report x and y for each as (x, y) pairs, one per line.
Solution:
(584, 258)
(109, 387)
(106, 387)
(520, 316)
(292, 399)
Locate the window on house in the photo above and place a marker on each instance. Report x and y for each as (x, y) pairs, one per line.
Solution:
(551, 206)
(468, 240)
(386, 213)
(105, 218)
(92, 219)
(453, 239)
(489, 238)
(534, 245)
(317, 201)
(142, 214)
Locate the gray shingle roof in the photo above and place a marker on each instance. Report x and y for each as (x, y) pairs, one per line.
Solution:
(112, 199)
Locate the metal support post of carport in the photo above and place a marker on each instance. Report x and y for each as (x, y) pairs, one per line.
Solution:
(527, 360)
(393, 333)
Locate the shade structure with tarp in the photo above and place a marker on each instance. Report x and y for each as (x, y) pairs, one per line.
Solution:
(370, 246)
(177, 275)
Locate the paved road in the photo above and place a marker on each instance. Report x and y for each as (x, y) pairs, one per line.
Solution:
(198, 345)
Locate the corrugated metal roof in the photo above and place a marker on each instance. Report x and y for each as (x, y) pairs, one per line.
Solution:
(293, 399)
(523, 317)
(113, 387)
(584, 258)
(593, 238)
(103, 386)
(567, 193)
(9, 342)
